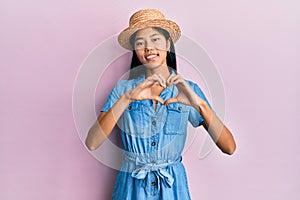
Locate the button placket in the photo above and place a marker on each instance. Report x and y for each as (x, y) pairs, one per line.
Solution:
(154, 125)
(154, 138)
(153, 145)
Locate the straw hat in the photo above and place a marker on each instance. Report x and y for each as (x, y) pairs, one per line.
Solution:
(148, 18)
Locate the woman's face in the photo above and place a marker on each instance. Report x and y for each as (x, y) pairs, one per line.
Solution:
(151, 48)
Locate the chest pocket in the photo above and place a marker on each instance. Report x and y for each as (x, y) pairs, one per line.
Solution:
(136, 119)
(177, 118)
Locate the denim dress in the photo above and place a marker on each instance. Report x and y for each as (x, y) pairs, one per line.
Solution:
(153, 141)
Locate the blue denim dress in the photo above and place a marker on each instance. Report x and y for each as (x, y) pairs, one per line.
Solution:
(153, 141)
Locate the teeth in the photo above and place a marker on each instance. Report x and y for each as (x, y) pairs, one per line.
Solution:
(151, 56)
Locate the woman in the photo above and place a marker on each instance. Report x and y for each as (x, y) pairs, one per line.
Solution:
(153, 108)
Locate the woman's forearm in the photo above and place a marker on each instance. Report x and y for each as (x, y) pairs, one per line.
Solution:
(217, 130)
(105, 123)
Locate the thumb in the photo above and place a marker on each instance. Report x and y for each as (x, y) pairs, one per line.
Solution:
(171, 100)
(157, 98)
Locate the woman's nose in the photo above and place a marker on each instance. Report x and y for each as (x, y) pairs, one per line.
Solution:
(148, 46)
(147, 49)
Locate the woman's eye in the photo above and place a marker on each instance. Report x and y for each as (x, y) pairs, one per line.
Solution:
(138, 43)
(155, 39)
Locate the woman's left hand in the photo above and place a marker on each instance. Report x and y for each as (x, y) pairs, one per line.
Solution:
(215, 127)
(185, 94)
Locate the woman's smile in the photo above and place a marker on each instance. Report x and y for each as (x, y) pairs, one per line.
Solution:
(151, 57)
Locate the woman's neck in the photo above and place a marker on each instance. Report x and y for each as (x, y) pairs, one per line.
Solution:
(163, 70)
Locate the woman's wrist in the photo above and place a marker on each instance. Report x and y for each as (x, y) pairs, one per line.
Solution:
(201, 105)
(126, 97)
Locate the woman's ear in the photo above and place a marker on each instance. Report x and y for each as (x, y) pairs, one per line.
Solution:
(168, 45)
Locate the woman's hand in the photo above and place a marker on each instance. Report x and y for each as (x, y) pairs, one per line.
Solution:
(152, 86)
(185, 94)
(149, 89)
(215, 127)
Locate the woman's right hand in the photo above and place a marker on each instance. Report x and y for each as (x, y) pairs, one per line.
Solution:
(149, 89)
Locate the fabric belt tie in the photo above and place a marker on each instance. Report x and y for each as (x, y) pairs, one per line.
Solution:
(143, 168)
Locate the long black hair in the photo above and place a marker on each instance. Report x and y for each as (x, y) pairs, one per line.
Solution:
(136, 71)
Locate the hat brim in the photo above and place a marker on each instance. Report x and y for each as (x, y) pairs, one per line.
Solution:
(168, 25)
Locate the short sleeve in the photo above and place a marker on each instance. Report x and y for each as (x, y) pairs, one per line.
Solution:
(195, 117)
(111, 100)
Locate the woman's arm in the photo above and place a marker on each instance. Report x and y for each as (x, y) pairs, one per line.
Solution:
(214, 126)
(216, 129)
(105, 123)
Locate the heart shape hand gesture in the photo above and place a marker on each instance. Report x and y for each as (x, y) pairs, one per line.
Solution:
(151, 88)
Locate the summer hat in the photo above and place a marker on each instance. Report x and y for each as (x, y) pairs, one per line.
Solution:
(144, 19)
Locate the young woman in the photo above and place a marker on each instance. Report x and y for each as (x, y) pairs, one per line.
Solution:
(153, 108)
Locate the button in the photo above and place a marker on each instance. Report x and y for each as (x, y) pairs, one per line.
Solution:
(153, 183)
(129, 107)
(180, 108)
(153, 143)
(154, 123)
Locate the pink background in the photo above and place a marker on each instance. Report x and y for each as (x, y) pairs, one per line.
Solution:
(254, 44)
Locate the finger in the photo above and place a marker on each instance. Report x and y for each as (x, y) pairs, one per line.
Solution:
(171, 100)
(155, 79)
(147, 83)
(157, 98)
(151, 79)
(177, 80)
(170, 80)
(173, 79)
(158, 78)
(162, 80)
